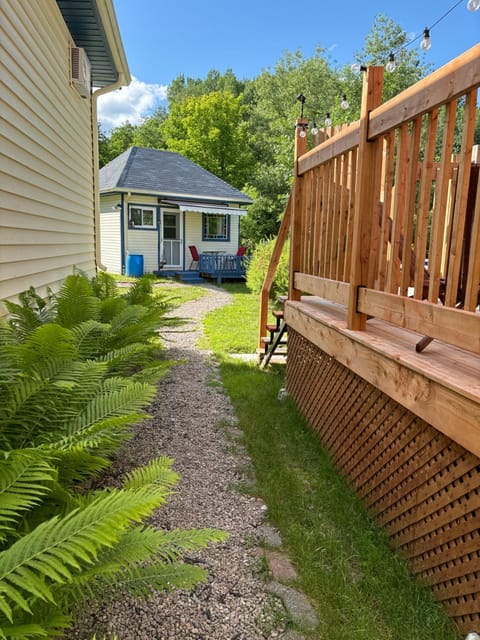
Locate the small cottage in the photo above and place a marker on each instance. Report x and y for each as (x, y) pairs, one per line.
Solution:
(156, 204)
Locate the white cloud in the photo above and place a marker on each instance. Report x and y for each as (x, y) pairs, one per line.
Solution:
(130, 103)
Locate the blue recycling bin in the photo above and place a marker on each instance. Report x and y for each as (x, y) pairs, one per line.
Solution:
(134, 265)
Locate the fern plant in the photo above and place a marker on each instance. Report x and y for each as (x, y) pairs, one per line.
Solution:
(96, 547)
(62, 417)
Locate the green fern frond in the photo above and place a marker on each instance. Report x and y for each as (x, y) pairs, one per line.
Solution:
(116, 399)
(103, 433)
(24, 481)
(89, 337)
(76, 301)
(158, 472)
(60, 547)
(48, 342)
(44, 622)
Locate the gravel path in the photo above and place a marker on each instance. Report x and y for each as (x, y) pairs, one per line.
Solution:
(193, 422)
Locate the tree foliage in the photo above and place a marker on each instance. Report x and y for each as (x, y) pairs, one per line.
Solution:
(211, 131)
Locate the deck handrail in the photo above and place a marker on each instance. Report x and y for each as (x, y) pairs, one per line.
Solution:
(370, 204)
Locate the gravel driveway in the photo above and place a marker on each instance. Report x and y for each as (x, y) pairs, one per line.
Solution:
(193, 422)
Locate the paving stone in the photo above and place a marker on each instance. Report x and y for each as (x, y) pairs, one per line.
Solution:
(296, 604)
(269, 535)
(280, 565)
(292, 635)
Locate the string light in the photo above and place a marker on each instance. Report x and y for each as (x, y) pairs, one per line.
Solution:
(344, 103)
(391, 64)
(328, 120)
(426, 43)
(472, 5)
(314, 129)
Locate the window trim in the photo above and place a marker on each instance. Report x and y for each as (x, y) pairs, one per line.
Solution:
(226, 237)
(143, 207)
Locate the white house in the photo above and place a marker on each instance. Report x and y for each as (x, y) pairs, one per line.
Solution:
(155, 204)
(57, 57)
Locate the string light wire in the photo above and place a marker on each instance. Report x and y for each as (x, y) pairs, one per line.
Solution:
(421, 35)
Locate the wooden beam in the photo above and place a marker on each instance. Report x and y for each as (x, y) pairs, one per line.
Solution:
(342, 142)
(454, 326)
(272, 270)
(449, 82)
(365, 195)
(448, 402)
(333, 290)
(298, 214)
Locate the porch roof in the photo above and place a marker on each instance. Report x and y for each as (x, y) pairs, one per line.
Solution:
(204, 207)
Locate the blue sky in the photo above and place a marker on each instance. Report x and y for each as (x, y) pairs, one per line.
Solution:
(164, 38)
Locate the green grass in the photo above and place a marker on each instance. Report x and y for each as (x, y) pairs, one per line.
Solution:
(360, 588)
(234, 327)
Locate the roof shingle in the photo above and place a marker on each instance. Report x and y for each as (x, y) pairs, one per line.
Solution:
(165, 172)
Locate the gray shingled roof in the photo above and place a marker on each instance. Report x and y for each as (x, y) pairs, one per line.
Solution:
(165, 172)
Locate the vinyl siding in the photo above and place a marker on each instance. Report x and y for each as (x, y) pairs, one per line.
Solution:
(46, 207)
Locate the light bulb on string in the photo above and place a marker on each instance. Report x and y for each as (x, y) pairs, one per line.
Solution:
(302, 133)
(356, 67)
(391, 66)
(426, 43)
(314, 129)
(344, 103)
(473, 5)
(328, 120)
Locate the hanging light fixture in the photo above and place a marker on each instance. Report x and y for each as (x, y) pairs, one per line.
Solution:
(314, 129)
(426, 43)
(391, 65)
(328, 120)
(344, 103)
(473, 5)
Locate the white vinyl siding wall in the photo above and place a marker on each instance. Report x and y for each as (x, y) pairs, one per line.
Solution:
(46, 207)
(193, 227)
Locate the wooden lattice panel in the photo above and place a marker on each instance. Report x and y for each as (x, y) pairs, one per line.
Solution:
(423, 488)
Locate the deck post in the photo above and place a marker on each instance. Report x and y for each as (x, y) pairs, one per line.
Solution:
(365, 206)
(297, 213)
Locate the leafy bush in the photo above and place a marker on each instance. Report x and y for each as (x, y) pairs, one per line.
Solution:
(64, 411)
(258, 265)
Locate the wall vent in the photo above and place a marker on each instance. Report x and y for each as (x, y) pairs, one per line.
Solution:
(80, 71)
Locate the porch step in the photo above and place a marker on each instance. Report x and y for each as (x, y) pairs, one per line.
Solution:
(189, 277)
(276, 343)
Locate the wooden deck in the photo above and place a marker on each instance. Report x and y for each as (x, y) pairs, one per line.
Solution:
(372, 203)
(222, 266)
(441, 384)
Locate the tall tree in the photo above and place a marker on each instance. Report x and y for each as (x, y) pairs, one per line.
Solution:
(182, 87)
(211, 131)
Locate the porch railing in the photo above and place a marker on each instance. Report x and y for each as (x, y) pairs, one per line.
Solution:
(385, 214)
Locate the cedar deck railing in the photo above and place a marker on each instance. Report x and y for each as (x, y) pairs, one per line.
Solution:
(374, 201)
(370, 204)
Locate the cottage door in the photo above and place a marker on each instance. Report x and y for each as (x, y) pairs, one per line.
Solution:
(171, 240)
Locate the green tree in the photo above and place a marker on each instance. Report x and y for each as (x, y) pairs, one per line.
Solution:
(182, 87)
(121, 138)
(149, 132)
(211, 131)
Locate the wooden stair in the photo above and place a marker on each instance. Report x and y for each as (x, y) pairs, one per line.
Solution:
(276, 342)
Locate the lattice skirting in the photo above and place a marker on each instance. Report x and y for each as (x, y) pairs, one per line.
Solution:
(423, 488)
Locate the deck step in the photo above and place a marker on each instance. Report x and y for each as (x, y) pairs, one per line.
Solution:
(189, 277)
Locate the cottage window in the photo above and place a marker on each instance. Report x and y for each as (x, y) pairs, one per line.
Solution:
(215, 226)
(142, 217)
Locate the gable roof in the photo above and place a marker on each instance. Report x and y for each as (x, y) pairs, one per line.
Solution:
(165, 173)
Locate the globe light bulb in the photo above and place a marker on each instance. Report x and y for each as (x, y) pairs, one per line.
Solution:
(344, 103)
(426, 43)
(356, 67)
(302, 133)
(391, 66)
(314, 129)
(328, 120)
(473, 5)
(472, 635)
